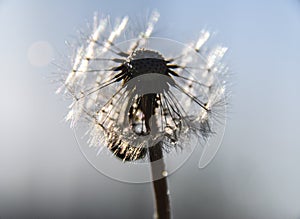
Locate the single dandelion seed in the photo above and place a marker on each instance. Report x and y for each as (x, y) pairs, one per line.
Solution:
(145, 98)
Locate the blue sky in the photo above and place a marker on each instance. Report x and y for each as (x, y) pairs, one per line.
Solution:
(254, 175)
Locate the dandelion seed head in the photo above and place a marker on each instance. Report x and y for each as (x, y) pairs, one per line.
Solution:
(135, 93)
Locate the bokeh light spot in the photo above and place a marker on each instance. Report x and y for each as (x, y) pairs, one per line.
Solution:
(40, 53)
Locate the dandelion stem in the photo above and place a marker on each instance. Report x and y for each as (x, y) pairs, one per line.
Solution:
(160, 184)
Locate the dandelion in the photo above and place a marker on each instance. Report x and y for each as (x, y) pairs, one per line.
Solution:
(145, 97)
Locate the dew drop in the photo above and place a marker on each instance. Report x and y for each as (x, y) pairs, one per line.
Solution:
(164, 173)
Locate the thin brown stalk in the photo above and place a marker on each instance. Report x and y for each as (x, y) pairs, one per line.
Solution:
(160, 184)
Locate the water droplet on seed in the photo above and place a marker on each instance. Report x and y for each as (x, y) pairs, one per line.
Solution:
(164, 173)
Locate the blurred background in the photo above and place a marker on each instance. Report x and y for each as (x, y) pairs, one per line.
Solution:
(256, 173)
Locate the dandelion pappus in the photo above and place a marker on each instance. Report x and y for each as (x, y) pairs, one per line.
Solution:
(135, 93)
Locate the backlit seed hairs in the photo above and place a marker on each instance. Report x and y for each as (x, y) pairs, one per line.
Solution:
(132, 95)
